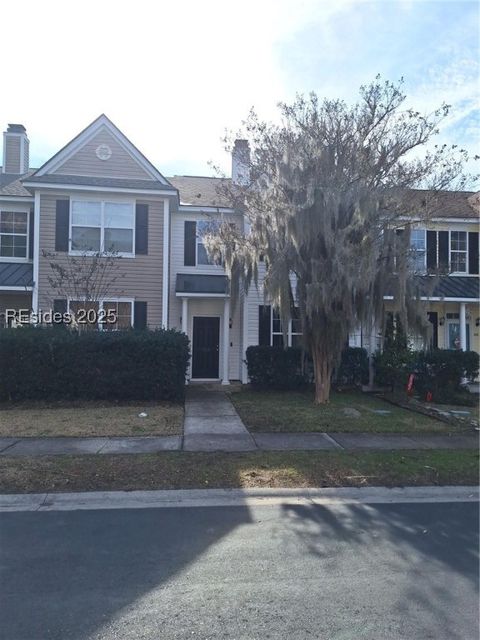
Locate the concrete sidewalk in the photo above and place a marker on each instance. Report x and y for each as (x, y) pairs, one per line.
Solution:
(203, 437)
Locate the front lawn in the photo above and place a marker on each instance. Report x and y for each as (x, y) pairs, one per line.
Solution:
(90, 419)
(181, 470)
(292, 411)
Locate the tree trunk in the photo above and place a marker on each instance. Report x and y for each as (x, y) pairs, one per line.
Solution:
(323, 369)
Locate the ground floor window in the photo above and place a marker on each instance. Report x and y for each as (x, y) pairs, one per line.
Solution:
(106, 315)
(271, 329)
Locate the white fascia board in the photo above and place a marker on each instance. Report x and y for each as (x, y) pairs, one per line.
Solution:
(201, 295)
(17, 199)
(21, 289)
(439, 299)
(194, 208)
(438, 220)
(87, 135)
(74, 187)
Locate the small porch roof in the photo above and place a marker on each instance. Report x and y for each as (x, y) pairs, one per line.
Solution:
(17, 275)
(197, 284)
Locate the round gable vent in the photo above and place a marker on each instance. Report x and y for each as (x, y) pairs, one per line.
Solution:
(103, 152)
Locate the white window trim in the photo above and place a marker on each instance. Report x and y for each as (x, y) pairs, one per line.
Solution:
(458, 273)
(412, 248)
(101, 302)
(28, 258)
(290, 333)
(120, 254)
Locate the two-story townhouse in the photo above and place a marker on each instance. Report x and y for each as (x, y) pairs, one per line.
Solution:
(100, 193)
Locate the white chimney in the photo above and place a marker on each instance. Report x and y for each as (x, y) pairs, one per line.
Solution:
(241, 162)
(15, 150)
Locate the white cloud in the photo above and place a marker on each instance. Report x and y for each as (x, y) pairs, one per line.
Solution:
(172, 76)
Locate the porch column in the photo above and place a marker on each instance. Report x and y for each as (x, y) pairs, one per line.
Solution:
(226, 340)
(185, 315)
(463, 327)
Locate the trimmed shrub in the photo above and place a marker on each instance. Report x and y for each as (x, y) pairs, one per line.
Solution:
(442, 371)
(353, 368)
(55, 364)
(392, 367)
(275, 367)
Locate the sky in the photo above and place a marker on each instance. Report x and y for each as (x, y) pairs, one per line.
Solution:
(173, 76)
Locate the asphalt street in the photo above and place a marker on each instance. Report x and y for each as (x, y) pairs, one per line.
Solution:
(340, 572)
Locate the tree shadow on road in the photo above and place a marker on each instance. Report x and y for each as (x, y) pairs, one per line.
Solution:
(405, 547)
(68, 574)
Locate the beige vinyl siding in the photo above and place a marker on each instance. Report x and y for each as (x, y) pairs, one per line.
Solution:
(12, 154)
(120, 165)
(143, 274)
(203, 306)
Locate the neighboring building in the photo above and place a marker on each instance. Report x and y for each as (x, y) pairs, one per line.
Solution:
(99, 192)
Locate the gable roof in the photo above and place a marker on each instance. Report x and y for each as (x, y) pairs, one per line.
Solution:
(201, 191)
(84, 136)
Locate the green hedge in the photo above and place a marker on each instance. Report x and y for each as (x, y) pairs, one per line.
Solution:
(442, 372)
(392, 368)
(279, 368)
(56, 363)
(275, 367)
(353, 369)
(439, 371)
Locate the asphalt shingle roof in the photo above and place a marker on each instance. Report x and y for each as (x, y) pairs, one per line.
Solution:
(16, 274)
(11, 185)
(121, 183)
(202, 191)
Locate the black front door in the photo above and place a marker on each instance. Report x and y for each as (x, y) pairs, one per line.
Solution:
(206, 334)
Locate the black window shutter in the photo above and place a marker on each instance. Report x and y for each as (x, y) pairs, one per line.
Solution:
(473, 252)
(141, 229)
(431, 250)
(60, 306)
(433, 318)
(61, 225)
(30, 234)
(264, 336)
(443, 250)
(190, 242)
(140, 315)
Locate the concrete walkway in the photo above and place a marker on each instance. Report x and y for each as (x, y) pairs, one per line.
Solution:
(212, 424)
(217, 433)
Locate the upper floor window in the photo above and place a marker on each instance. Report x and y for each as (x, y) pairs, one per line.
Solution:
(102, 226)
(13, 234)
(418, 247)
(195, 252)
(458, 251)
(203, 227)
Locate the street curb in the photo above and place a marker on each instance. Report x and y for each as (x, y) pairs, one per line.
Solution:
(232, 498)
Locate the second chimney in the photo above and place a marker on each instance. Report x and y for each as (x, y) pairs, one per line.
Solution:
(15, 150)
